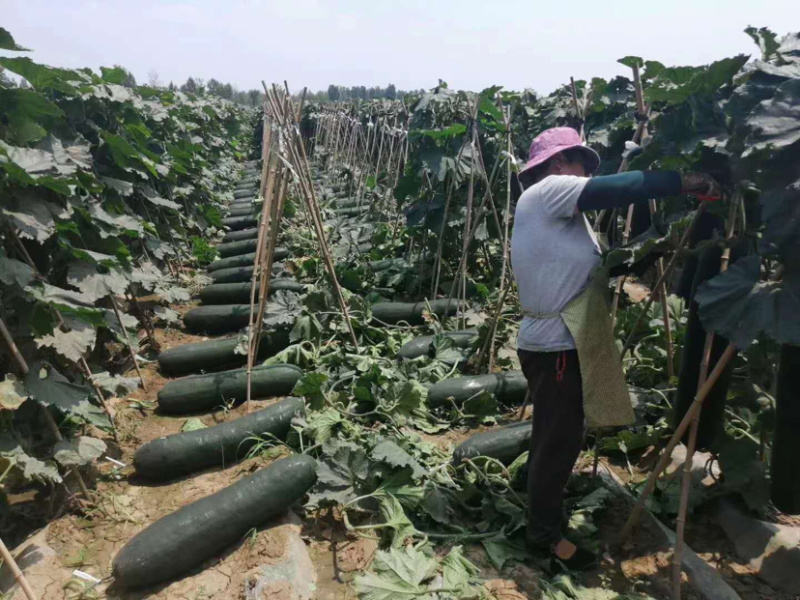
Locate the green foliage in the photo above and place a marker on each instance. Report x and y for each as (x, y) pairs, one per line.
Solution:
(202, 251)
(90, 168)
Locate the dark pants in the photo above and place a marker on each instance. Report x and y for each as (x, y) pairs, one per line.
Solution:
(554, 381)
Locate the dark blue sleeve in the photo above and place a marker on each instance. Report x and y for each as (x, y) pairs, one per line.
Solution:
(616, 191)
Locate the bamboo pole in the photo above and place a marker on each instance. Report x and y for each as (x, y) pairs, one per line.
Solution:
(303, 169)
(269, 161)
(127, 340)
(437, 264)
(695, 424)
(506, 248)
(662, 289)
(578, 111)
(667, 270)
(16, 571)
(650, 485)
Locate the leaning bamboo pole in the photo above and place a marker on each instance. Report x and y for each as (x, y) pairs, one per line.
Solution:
(666, 455)
(299, 160)
(667, 271)
(269, 161)
(5, 554)
(695, 423)
(662, 289)
(127, 340)
(504, 286)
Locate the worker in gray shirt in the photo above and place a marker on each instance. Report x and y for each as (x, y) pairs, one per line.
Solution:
(565, 343)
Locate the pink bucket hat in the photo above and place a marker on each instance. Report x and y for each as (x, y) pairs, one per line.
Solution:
(557, 139)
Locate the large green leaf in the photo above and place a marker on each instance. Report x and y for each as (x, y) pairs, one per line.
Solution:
(341, 473)
(7, 42)
(27, 115)
(34, 217)
(781, 216)
(43, 77)
(676, 84)
(393, 455)
(739, 306)
(775, 123)
(50, 388)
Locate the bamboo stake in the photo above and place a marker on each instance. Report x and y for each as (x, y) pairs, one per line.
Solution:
(506, 240)
(304, 174)
(470, 198)
(650, 485)
(437, 264)
(51, 424)
(15, 570)
(670, 265)
(695, 424)
(662, 289)
(269, 160)
(578, 111)
(127, 340)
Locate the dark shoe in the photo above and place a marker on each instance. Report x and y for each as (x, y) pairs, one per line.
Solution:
(580, 561)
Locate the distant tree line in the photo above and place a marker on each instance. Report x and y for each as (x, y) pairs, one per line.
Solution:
(200, 87)
(340, 93)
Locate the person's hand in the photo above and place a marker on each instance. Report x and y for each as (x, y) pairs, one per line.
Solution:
(701, 185)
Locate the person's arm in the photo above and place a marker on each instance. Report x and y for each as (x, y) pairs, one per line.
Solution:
(618, 191)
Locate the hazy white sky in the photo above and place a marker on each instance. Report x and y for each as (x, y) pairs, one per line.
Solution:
(470, 44)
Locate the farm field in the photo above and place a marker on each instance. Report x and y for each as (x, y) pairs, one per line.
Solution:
(268, 350)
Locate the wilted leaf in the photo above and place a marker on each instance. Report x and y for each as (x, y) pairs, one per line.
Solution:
(94, 284)
(12, 393)
(116, 384)
(14, 272)
(166, 315)
(72, 344)
(28, 467)
(501, 550)
(392, 454)
(395, 518)
(50, 388)
(341, 473)
(457, 572)
(78, 452)
(321, 424)
(397, 574)
(193, 424)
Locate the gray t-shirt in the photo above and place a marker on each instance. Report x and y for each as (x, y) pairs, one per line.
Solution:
(553, 254)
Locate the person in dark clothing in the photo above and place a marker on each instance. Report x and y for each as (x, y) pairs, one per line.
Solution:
(565, 343)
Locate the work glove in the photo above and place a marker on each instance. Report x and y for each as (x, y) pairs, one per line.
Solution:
(701, 185)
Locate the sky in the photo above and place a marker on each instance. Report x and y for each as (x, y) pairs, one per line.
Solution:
(470, 44)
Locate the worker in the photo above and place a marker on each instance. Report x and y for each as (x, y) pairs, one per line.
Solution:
(565, 344)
